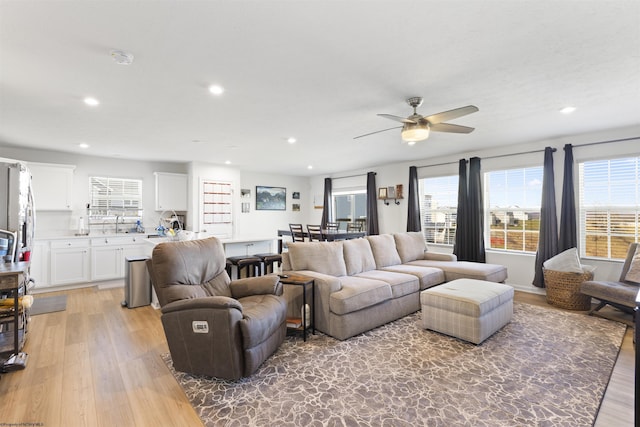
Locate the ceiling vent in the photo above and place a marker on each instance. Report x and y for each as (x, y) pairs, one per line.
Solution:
(122, 58)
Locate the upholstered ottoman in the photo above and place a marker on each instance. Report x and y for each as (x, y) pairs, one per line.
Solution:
(469, 309)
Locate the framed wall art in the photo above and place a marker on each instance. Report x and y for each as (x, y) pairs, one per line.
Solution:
(271, 198)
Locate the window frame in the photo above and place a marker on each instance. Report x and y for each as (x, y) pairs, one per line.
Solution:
(605, 210)
(516, 214)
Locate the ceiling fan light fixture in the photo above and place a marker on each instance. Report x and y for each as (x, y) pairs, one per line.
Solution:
(414, 132)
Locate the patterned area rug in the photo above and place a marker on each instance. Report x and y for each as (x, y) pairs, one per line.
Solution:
(545, 368)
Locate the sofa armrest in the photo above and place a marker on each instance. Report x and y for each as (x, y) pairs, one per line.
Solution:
(439, 256)
(218, 302)
(262, 285)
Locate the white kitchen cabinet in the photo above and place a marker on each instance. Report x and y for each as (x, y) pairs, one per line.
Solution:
(171, 191)
(52, 186)
(108, 255)
(39, 267)
(70, 261)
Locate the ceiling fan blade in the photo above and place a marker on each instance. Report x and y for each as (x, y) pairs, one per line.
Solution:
(448, 127)
(397, 118)
(378, 131)
(451, 114)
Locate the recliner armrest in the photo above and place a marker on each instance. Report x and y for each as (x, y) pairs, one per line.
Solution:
(219, 302)
(439, 256)
(262, 285)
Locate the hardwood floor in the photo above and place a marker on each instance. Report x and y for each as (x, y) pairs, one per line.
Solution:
(98, 364)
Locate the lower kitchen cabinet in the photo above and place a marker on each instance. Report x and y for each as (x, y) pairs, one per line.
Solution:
(39, 266)
(70, 261)
(58, 262)
(108, 256)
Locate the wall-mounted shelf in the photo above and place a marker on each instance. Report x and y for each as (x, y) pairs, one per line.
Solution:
(390, 193)
(386, 201)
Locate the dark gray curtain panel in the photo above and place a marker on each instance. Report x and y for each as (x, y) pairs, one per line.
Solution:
(568, 223)
(372, 205)
(548, 238)
(474, 216)
(460, 245)
(326, 208)
(413, 214)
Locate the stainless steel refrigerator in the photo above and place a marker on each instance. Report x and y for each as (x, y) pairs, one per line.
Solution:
(17, 211)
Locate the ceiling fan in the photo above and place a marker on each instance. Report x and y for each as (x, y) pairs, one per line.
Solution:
(417, 127)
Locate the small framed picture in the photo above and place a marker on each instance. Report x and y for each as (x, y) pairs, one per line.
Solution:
(391, 192)
(382, 193)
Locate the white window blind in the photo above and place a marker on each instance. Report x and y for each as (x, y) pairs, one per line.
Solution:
(609, 206)
(110, 195)
(439, 209)
(513, 198)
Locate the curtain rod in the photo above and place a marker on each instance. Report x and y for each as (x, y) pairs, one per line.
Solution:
(440, 164)
(607, 142)
(517, 154)
(352, 176)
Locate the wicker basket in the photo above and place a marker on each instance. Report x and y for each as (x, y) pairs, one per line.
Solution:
(563, 289)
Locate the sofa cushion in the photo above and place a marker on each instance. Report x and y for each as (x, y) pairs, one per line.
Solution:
(467, 269)
(358, 256)
(410, 246)
(401, 284)
(428, 276)
(384, 250)
(323, 257)
(358, 293)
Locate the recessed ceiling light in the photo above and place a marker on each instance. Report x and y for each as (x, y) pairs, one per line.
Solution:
(568, 110)
(91, 101)
(216, 89)
(291, 140)
(83, 145)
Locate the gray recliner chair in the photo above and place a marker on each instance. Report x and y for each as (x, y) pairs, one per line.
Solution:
(215, 326)
(621, 294)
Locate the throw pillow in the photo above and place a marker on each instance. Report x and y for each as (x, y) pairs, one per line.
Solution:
(633, 275)
(323, 257)
(410, 246)
(567, 261)
(384, 250)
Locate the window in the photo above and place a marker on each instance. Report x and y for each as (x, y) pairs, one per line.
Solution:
(513, 198)
(609, 206)
(439, 209)
(350, 206)
(115, 194)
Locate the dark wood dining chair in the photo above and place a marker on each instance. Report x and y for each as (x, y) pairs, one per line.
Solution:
(332, 227)
(297, 232)
(315, 233)
(354, 226)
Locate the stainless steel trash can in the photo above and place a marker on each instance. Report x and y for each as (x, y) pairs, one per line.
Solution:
(137, 285)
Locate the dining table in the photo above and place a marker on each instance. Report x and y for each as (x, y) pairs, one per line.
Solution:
(329, 235)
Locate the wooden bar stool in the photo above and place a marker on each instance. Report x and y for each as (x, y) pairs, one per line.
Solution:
(268, 261)
(251, 263)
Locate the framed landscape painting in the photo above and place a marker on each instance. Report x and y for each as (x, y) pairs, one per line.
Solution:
(271, 198)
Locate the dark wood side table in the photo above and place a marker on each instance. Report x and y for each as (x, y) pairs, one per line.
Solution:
(304, 282)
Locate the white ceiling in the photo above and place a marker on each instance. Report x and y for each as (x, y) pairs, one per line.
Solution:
(319, 71)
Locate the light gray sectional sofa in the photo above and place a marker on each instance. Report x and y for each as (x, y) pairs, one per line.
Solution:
(364, 283)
